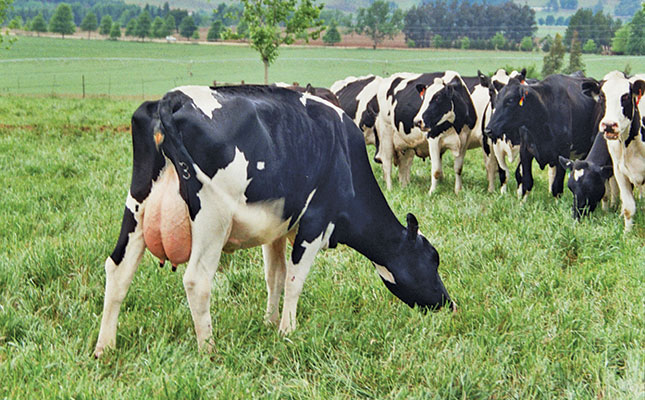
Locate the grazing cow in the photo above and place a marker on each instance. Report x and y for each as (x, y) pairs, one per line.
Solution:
(624, 130)
(453, 108)
(590, 179)
(357, 97)
(220, 169)
(556, 117)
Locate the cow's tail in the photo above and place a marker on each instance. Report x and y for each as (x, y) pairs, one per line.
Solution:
(172, 145)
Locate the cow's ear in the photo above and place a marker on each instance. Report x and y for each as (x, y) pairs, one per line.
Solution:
(522, 75)
(421, 89)
(498, 85)
(310, 89)
(484, 80)
(606, 172)
(591, 88)
(413, 227)
(565, 162)
(638, 89)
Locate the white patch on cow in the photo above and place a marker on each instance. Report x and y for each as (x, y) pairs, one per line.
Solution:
(613, 89)
(339, 85)
(502, 77)
(132, 205)
(385, 273)
(304, 97)
(577, 174)
(404, 82)
(260, 165)
(202, 97)
(223, 203)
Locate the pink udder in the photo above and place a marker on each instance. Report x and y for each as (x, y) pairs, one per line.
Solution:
(166, 223)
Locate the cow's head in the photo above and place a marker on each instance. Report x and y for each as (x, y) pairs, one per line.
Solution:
(440, 101)
(618, 98)
(587, 183)
(516, 105)
(412, 275)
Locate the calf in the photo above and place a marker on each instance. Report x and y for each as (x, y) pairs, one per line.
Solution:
(557, 118)
(220, 169)
(589, 179)
(624, 131)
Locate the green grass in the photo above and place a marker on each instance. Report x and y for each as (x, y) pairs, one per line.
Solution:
(548, 308)
(143, 70)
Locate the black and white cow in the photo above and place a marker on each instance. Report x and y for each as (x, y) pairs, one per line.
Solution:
(624, 129)
(590, 178)
(454, 107)
(357, 97)
(550, 118)
(220, 169)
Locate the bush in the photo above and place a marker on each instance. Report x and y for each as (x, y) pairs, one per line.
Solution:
(526, 44)
(589, 47)
(465, 43)
(410, 43)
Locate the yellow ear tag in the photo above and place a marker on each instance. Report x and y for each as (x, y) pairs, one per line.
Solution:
(521, 101)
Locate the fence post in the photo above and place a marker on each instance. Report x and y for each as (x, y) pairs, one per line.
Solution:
(83, 85)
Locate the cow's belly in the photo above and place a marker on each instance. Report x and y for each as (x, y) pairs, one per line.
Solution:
(166, 223)
(256, 224)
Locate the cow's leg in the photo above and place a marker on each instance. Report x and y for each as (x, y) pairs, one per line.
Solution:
(434, 145)
(492, 166)
(518, 179)
(459, 153)
(551, 172)
(275, 268)
(526, 160)
(210, 233)
(557, 186)
(405, 166)
(627, 200)
(119, 271)
(385, 152)
(305, 247)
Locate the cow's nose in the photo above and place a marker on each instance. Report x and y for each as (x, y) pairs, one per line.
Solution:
(608, 126)
(418, 123)
(488, 132)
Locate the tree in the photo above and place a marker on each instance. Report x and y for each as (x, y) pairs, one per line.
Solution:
(63, 20)
(465, 43)
(379, 21)
(265, 17)
(569, 4)
(575, 56)
(89, 23)
(553, 60)
(158, 28)
(636, 40)
(195, 34)
(38, 24)
(170, 25)
(215, 31)
(619, 42)
(589, 46)
(526, 44)
(187, 27)
(106, 25)
(499, 41)
(131, 28)
(332, 36)
(16, 23)
(115, 31)
(143, 26)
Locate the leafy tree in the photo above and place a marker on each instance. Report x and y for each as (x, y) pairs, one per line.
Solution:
(158, 28)
(187, 27)
(379, 21)
(619, 42)
(90, 23)
(38, 24)
(589, 46)
(465, 43)
(115, 31)
(437, 41)
(499, 41)
(63, 20)
(526, 44)
(636, 40)
(143, 26)
(131, 28)
(599, 27)
(195, 34)
(575, 56)
(215, 31)
(242, 30)
(553, 5)
(553, 60)
(332, 36)
(170, 24)
(546, 43)
(106, 25)
(16, 23)
(265, 17)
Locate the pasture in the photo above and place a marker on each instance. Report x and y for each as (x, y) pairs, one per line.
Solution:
(547, 307)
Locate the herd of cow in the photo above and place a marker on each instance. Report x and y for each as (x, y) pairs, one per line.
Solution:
(224, 168)
(550, 121)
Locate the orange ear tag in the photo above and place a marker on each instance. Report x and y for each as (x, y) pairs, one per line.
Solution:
(638, 99)
(422, 92)
(521, 101)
